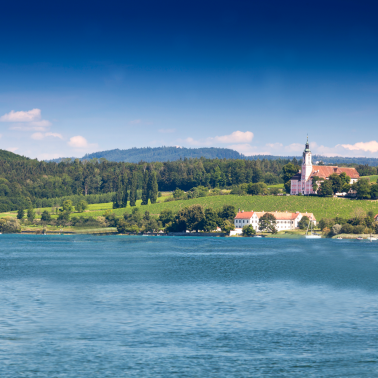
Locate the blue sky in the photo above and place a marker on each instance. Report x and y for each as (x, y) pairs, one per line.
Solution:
(78, 77)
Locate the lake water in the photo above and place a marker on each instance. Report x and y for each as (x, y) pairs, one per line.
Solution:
(124, 306)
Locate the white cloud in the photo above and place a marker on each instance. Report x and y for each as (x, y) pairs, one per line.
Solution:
(12, 149)
(29, 116)
(166, 131)
(235, 137)
(55, 135)
(37, 136)
(371, 146)
(78, 142)
(40, 136)
(26, 121)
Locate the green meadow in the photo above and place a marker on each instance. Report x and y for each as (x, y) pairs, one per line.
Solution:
(321, 207)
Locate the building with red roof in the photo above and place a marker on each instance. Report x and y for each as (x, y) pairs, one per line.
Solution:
(284, 220)
(302, 181)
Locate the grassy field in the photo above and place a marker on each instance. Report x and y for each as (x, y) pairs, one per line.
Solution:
(373, 178)
(321, 207)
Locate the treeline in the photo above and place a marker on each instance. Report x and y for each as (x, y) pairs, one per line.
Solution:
(360, 223)
(24, 182)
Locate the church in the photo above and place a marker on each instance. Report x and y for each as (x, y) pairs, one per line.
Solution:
(302, 181)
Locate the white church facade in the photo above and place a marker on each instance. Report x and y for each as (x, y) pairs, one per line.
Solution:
(302, 181)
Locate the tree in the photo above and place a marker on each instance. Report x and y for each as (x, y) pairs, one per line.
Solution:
(189, 218)
(20, 213)
(45, 217)
(133, 190)
(345, 179)
(336, 229)
(258, 188)
(268, 223)
(347, 228)
(227, 226)
(363, 188)
(211, 220)
(31, 214)
(65, 211)
(288, 171)
(248, 230)
(81, 206)
(9, 225)
(303, 223)
(374, 191)
(325, 188)
(145, 188)
(258, 175)
(153, 187)
(178, 193)
(337, 183)
(315, 185)
(228, 212)
(166, 217)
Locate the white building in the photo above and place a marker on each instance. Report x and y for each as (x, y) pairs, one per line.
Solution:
(284, 220)
(302, 181)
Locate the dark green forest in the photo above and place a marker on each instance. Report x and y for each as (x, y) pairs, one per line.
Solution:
(163, 154)
(25, 182)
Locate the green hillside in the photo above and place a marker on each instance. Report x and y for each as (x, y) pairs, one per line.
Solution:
(321, 207)
(7, 155)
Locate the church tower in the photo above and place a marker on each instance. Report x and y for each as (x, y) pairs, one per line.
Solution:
(307, 162)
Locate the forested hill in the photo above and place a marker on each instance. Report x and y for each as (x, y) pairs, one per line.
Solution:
(149, 154)
(10, 156)
(163, 154)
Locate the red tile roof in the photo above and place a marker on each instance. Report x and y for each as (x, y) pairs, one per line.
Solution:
(277, 215)
(324, 171)
(244, 215)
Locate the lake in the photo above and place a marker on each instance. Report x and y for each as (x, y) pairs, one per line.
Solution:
(130, 306)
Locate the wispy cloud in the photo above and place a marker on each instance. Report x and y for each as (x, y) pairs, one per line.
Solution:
(40, 136)
(167, 131)
(21, 116)
(135, 122)
(371, 146)
(235, 137)
(78, 142)
(26, 120)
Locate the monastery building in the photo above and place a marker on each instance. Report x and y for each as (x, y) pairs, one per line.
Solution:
(302, 181)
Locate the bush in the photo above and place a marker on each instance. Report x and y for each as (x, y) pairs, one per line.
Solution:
(248, 230)
(359, 229)
(347, 229)
(336, 229)
(303, 223)
(10, 225)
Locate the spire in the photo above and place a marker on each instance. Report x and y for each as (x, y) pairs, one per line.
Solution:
(307, 149)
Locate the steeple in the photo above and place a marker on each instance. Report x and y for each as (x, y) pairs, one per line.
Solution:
(307, 148)
(307, 162)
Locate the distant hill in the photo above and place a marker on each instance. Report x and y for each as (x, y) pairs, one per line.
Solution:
(7, 155)
(150, 154)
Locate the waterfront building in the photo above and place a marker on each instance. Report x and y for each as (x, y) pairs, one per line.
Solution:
(302, 181)
(284, 220)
